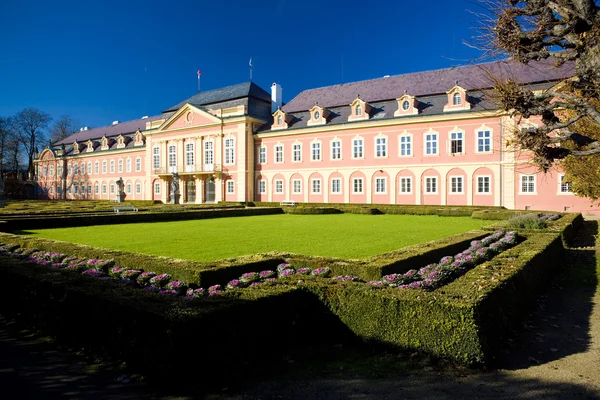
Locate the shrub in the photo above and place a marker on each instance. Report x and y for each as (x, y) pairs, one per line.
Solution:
(530, 221)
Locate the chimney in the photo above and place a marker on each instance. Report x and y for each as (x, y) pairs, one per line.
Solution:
(144, 117)
(115, 122)
(276, 97)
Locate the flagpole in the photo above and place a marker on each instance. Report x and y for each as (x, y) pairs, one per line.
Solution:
(250, 63)
(199, 73)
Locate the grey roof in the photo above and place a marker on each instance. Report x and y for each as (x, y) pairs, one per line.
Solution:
(246, 89)
(470, 77)
(111, 130)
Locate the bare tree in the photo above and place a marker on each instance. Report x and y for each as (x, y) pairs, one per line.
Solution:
(62, 128)
(30, 124)
(565, 31)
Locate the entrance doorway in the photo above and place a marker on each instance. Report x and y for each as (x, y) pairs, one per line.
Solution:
(190, 191)
(210, 190)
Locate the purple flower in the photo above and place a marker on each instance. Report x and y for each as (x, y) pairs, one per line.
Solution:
(168, 292)
(271, 280)
(215, 292)
(415, 285)
(144, 278)
(391, 278)
(283, 266)
(255, 284)
(375, 283)
(267, 274)
(160, 280)
(215, 288)
(304, 271)
(446, 260)
(235, 284)
(92, 272)
(250, 277)
(323, 272)
(287, 272)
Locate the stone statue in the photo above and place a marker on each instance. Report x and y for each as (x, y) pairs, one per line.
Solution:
(121, 190)
(175, 188)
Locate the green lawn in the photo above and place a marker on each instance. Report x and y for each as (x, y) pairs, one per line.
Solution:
(340, 235)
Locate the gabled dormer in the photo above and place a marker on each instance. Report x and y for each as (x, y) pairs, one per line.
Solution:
(457, 99)
(121, 142)
(104, 143)
(75, 147)
(280, 120)
(139, 138)
(359, 110)
(407, 105)
(90, 146)
(318, 116)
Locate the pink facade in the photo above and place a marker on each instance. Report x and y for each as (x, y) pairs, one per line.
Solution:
(408, 139)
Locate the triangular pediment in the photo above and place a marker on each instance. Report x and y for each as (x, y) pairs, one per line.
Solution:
(189, 116)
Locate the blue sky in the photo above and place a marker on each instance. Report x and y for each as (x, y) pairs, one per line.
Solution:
(100, 61)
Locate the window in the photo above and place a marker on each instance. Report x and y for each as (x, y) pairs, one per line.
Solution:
(138, 164)
(208, 153)
(156, 157)
(262, 187)
(138, 188)
(69, 170)
(51, 190)
(405, 105)
(89, 168)
(128, 165)
(358, 110)
(75, 169)
(262, 155)
(406, 185)
(96, 167)
(483, 184)
(52, 170)
(565, 187)
(97, 189)
(336, 150)
(336, 185)
(76, 188)
(279, 186)
(157, 188)
(45, 170)
(317, 115)
(112, 166)
(357, 185)
(297, 152)
(82, 189)
(431, 185)
(189, 154)
(120, 165)
(69, 190)
(128, 188)
(279, 120)
(431, 144)
(279, 153)
(380, 185)
(456, 143)
(89, 190)
(406, 145)
(456, 184)
(316, 151)
(316, 185)
(456, 99)
(103, 167)
(230, 187)
(229, 151)
(527, 183)
(381, 147)
(357, 148)
(82, 168)
(172, 155)
(484, 141)
(58, 190)
(112, 188)
(104, 188)
(59, 170)
(297, 186)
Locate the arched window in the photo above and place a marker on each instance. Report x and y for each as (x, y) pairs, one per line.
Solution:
(279, 120)
(358, 110)
(456, 99)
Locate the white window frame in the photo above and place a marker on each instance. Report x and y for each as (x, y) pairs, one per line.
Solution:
(96, 167)
(296, 186)
(336, 149)
(457, 182)
(128, 165)
(431, 146)
(75, 169)
(128, 188)
(112, 166)
(381, 146)
(156, 187)
(430, 182)
(89, 189)
(380, 185)
(531, 180)
(209, 152)
(262, 186)
(336, 183)
(279, 154)
(230, 187)
(96, 188)
(297, 152)
(457, 137)
(456, 99)
(138, 164)
(112, 188)
(564, 188)
(82, 168)
(138, 188)
(156, 157)
(405, 183)
(89, 167)
(104, 188)
(481, 182)
(358, 148)
(405, 148)
(481, 139)
(315, 186)
(278, 183)
(52, 170)
(262, 155)
(315, 151)
(172, 156)
(358, 185)
(230, 150)
(189, 156)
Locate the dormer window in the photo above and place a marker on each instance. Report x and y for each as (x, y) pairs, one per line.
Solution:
(139, 138)
(318, 116)
(407, 105)
(75, 148)
(90, 146)
(120, 142)
(456, 99)
(358, 111)
(280, 120)
(104, 143)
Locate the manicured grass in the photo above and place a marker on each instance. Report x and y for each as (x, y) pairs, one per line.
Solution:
(341, 235)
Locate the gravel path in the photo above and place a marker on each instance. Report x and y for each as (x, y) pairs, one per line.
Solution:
(555, 356)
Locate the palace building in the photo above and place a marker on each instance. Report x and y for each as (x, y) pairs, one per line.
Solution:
(433, 137)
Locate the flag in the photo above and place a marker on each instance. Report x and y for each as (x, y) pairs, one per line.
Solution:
(199, 73)
(250, 63)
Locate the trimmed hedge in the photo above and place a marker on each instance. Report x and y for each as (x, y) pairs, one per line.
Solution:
(310, 210)
(496, 214)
